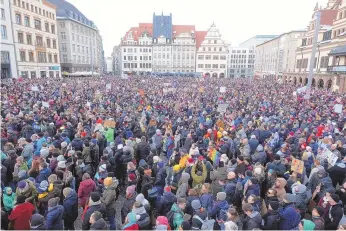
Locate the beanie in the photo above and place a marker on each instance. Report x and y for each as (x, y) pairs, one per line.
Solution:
(132, 176)
(274, 205)
(52, 178)
(335, 197)
(160, 164)
(176, 168)
(131, 189)
(22, 184)
(107, 181)
(94, 196)
(21, 174)
(221, 196)
(186, 225)
(196, 204)
(277, 157)
(53, 202)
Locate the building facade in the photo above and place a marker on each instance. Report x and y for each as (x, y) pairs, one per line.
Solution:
(212, 54)
(242, 57)
(8, 52)
(116, 56)
(36, 40)
(79, 40)
(275, 56)
(162, 54)
(162, 26)
(109, 65)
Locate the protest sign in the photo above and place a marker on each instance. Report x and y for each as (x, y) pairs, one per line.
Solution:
(64, 84)
(297, 166)
(45, 104)
(338, 108)
(141, 92)
(109, 123)
(34, 88)
(302, 89)
(222, 107)
(108, 86)
(222, 89)
(331, 157)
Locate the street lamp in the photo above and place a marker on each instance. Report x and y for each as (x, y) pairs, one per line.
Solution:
(301, 60)
(318, 57)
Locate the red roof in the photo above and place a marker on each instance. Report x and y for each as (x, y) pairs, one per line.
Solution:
(179, 29)
(137, 31)
(328, 16)
(200, 35)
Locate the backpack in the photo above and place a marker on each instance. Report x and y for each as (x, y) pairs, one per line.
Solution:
(207, 225)
(223, 215)
(170, 218)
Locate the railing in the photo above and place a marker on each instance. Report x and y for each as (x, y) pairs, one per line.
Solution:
(337, 68)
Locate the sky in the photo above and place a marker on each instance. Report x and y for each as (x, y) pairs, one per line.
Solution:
(237, 20)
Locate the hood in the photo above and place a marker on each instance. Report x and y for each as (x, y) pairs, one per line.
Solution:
(87, 183)
(72, 195)
(142, 163)
(298, 188)
(283, 182)
(256, 216)
(45, 171)
(259, 148)
(175, 208)
(223, 205)
(308, 225)
(185, 177)
(100, 224)
(169, 197)
(139, 211)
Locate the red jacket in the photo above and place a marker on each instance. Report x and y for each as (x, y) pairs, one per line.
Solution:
(133, 227)
(21, 216)
(85, 188)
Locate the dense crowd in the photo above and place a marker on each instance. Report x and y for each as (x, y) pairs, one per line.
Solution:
(179, 153)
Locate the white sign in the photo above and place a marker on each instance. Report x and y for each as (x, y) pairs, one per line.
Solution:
(302, 89)
(222, 89)
(124, 76)
(34, 88)
(167, 84)
(45, 104)
(338, 108)
(331, 157)
(108, 86)
(222, 107)
(64, 84)
(88, 104)
(294, 93)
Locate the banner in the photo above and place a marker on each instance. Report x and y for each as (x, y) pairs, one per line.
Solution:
(222, 89)
(331, 157)
(108, 86)
(109, 123)
(338, 108)
(297, 166)
(222, 107)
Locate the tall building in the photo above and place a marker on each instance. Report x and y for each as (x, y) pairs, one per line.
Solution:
(109, 65)
(116, 55)
(275, 56)
(242, 57)
(35, 37)
(79, 40)
(162, 54)
(212, 54)
(162, 26)
(8, 55)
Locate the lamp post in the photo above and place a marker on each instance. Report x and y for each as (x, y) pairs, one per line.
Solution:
(301, 60)
(318, 57)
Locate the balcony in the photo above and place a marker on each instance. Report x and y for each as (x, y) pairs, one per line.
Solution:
(40, 46)
(337, 69)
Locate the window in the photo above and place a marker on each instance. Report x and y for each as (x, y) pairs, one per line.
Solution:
(37, 24)
(31, 56)
(41, 56)
(327, 35)
(63, 35)
(215, 66)
(29, 39)
(26, 21)
(209, 48)
(52, 29)
(46, 26)
(3, 14)
(324, 62)
(208, 57)
(222, 65)
(64, 58)
(200, 65)
(48, 42)
(223, 57)
(73, 47)
(62, 24)
(124, 57)
(215, 57)
(50, 60)
(32, 8)
(19, 19)
(39, 41)
(36, 9)
(20, 37)
(57, 74)
(304, 42)
(22, 56)
(207, 65)
(209, 41)
(54, 44)
(5, 57)
(3, 32)
(63, 47)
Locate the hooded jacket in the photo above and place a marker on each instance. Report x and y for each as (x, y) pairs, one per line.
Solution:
(220, 174)
(128, 204)
(196, 178)
(183, 185)
(85, 188)
(43, 175)
(144, 219)
(334, 216)
(143, 150)
(8, 200)
(281, 191)
(218, 206)
(21, 216)
(259, 155)
(30, 193)
(278, 167)
(290, 218)
(98, 206)
(303, 196)
(271, 220)
(109, 197)
(165, 202)
(253, 221)
(70, 205)
(54, 219)
(178, 216)
(100, 224)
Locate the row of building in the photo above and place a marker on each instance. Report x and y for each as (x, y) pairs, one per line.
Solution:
(162, 47)
(47, 38)
(288, 56)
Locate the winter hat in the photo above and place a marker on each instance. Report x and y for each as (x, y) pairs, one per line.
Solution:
(53, 202)
(176, 168)
(162, 220)
(221, 196)
(335, 197)
(254, 180)
(277, 157)
(290, 198)
(308, 225)
(132, 176)
(186, 225)
(224, 158)
(190, 160)
(321, 172)
(274, 205)
(196, 204)
(167, 189)
(66, 191)
(158, 132)
(95, 197)
(21, 174)
(20, 199)
(131, 189)
(156, 159)
(102, 168)
(64, 144)
(258, 171)
(298, 188)
(36, 220)
(140, 198)
(32, 179)
(22, 184)
(60, 158)
(319, 210)
(107, 181)
(120, 146)
(61, 164)
(52, 178)
(160, 164)
(44, 185)
(44, 152)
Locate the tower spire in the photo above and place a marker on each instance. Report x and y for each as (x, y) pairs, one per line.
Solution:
(316, 7)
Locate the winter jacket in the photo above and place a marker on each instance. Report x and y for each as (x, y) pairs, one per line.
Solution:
(230, 190)
(278, 167)
(246, 151)
(165, 202)
(240, 169)
(281, 192)
(271, 220)
(128, 204)
(30, 193)
(206, 200)
(109, 135)
(9, 163)
(178, 217)
(259, 155)
(253, 189)
(109, 198)
(183, 186)
(253, 221)
(54, 219)
(253, 143)
(8, 200)
(28, 151)
(143, 150)
(196, 178)
(157, 140)
(196, 223)
(144, 219)
(100, 224)
(70, 205)
(303, 196)
(21, 216)
(219, 210)
(43, 175)
(85, 188)
(97, 207)
(334, 216)
(160, 178)
(220, 174)
(319, 223)
(86, 155)
(290, 218)
(77, 144)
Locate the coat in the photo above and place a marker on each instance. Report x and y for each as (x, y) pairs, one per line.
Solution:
(334, 216)
(178, 216)
(289, 217)
(54, 219)
(253, 221)
(319, 223)
(85, 188)
(128, 204)
(183, 186)
(108, 199)
(97, 207)
(143, 150)
(215, 211)
(253, 143)
(271, 220)
(220, 174)
(100, 224)
(165, 202)
(43, 175)
(281, 191)
(70, 204)
(30, 194)
(206, 200)
(8, 200)
(21, 216)
(196, 180)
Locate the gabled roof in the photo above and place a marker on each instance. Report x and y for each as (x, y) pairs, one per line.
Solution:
(137, 31)
(328, 16)
(62, 6)
(179, 29)
(200, 36)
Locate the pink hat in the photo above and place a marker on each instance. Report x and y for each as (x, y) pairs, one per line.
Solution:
(162, 220)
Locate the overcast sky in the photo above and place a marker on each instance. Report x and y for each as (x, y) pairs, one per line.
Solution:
(237, 20)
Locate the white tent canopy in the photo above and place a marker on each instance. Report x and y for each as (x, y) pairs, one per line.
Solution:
(83, 74)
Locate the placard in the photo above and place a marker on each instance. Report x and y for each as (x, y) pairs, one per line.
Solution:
(45, 104)
(302, 89)
(34, 88)
(222, 89)
(338, 108)
(331, 157)
(297, 166)
(109, 123)
(64, 84)
(108, 86)
(141, 92)
(222, 107)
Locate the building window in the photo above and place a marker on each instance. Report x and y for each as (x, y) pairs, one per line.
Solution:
(3, 14)
(200, 65)
(209, 48)
(39, 41)
(215, 41)
(46, 26)
(215, 66)
(63, 47)
(19, 19)
(20, 37)
(37, 24)
(54, 44)
(215, 57)
(31, 56)
(324, 62)
(52, 28)
(27, 21)
(63, 35)
(62, 24)
(208, 57)
(207, 65)
(48, 42)
(41, 56)
(50, 58)
(29, 39)
(124, 57)
(64, 58)
(22, 56)
(222, 65)
(3, 32)
(223, 57)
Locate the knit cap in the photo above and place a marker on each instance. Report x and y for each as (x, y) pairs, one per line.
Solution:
(22, 184)
(94, 196)
(107, 181)
(53, 202)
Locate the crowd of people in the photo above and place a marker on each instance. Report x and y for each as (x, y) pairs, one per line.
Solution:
(150, 153)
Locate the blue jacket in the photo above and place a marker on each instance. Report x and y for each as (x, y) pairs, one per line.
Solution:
(206, 200)
(219, 210)
(290, 218)
(43, 175)
(54, 220)
(40, 142)
(253, 144)
(165, 202)
(253, 189)
(71, 207)
(100, 207)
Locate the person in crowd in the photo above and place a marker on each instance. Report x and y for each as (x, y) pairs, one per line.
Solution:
(335, 212)
(94, 204)
(8, 199)
(70, 205)
(252, 219)
(97, 222)
(108, 199)
(54, 219)
(21, 214)
(271, 220)
(317, 217)
(289, 216)
(178, 213)
(37, 222)
(86, 187)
